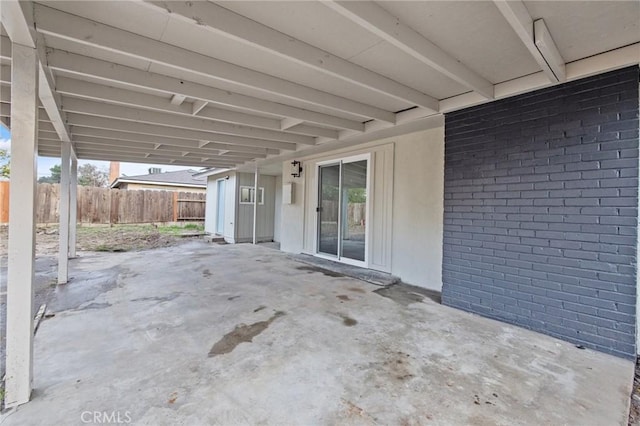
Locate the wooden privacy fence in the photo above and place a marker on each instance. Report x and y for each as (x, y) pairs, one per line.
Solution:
(113, 206)
(356, 212)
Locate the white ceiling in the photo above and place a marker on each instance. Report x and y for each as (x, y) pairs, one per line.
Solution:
(473, 31)
(595, 26)
(330, 80)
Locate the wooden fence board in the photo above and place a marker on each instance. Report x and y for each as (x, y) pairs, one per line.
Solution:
(105, 205)
(4, 202)
(190, 205)
(47, 197)
(356, 212)
(114, 212)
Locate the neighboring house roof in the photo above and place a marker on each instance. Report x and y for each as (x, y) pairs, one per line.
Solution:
(184, 178)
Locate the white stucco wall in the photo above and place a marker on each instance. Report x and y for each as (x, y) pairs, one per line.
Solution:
(292, 215)
(407, 213)
(418, 208)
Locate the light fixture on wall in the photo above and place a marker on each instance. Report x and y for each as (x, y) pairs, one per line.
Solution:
(296, 168)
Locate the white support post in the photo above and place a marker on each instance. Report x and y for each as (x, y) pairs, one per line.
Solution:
(73, 206)
(255, 205)
(22, 221)
(63, 230)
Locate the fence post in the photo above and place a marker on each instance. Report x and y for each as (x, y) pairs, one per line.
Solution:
(175, 206)
(110, 207)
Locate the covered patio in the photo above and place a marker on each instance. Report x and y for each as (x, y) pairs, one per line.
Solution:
(242, 334)
(251, 86)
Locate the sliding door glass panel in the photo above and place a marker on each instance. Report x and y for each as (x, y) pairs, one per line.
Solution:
(329, 209)
(353, 210)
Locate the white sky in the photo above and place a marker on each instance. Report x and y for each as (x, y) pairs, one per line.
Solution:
(128, 169)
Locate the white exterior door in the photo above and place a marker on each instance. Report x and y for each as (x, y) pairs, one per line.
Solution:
(220, 207)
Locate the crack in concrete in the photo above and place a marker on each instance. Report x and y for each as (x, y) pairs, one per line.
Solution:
(158, 299)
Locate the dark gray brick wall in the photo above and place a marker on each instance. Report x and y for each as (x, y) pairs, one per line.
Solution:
(541, 210)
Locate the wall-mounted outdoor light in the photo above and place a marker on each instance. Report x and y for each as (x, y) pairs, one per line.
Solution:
(296, 169)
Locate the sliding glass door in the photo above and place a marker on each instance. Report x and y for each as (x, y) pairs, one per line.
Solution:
(342, 209)
(329, 209)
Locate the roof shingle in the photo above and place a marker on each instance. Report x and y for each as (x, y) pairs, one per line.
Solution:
(180, 177)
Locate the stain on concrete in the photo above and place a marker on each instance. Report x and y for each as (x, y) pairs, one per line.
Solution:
(398, 366)
(77, 295)
(232, 297)
(241, 334)
(311, 269)
(337, 269)
(84, 287)
(347, 320)
(406, 294)
(357, 290)
(158, 299)
(259, 308)
(343, 297)
(206, 273)
(353, 412)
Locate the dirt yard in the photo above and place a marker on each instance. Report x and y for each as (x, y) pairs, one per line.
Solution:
(115, 238)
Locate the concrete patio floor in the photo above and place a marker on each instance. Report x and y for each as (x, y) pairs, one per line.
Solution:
(142, 336)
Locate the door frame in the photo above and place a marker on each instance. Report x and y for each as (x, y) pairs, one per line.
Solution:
(367, 238)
